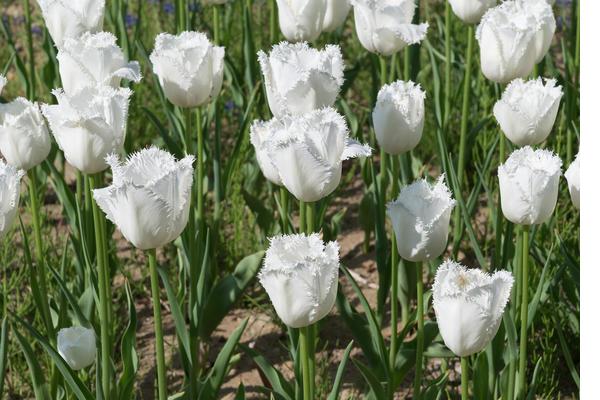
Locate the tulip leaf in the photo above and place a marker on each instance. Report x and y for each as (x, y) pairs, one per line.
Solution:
(566, 353)
(480, 378)
(226, 292)
(274, 378)
(164, 134)
(40, 388)
(128, 354)
(83, 321)
(533, 305)
(435, 390)
(263, 215)
(531, 395)
(3, 350)
(337, 383)
(240, 393)
(371, 379)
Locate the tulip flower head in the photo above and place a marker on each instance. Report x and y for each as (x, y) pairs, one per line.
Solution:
(540, 11)
(335, 14)
(572, 176)
(421, 219)
(260, 131)
(77, 346)
(301, 20)
(385, 26)
(307, 151)
(300, 275)
(70, 19)
(89, 125)
(471, 11)
(529, 185)
(24, 139)
(189, 68)
(300, 79)
(10, 183)
(94, 59)
(527, 110)
(398, 116)
(2, 82)
(468, 306)
(149, 199)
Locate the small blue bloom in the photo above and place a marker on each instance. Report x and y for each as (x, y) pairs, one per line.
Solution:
(36, 30)
(130, 20)
(229, 105)
(169, 8)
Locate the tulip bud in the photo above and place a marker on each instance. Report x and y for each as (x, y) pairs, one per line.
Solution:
(89, 125)
(527, 110)
(468, 306)
(398, 116)
(149, 199)
(301, 20)
(259, 135)
(308, 150)
(70, 19)
(189, 68)
(506, 37)
(385, 26)
(10, 182)
(529, 185)
(24, 139)
(94, 59)
(335, 14)
(572, 176)
(421, 219)
(2, 82)
(77, 346)
(300, 79)
(471, 11)
(300, 275)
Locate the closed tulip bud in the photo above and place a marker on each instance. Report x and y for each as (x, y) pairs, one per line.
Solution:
(301, 20)
(507, 42)
(70, 19)
(308, 151)
(300, 275)
(89, 125)
(149, 199)
(527, 110)
(572, 175)
(2, 82)
(10, 182)
(335, 14)
(259, 135)
(300, 79)
(24, 139)
(468, 306)
(471, 11)
(94, 59)
(398, 116)
(421, 219)
(385, 26)
(189, 68)
(529, 185)
(540, 11)
(77, 346)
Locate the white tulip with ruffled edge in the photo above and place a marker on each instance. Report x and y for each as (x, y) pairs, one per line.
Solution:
(3, 82)
(300, 275)
(77, 346)
(10, 183)
(301, 20)
(572, 176)
(335, 14)
(469, 305)
(471, 11)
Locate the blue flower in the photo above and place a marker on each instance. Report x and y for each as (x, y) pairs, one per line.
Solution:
(36, 30)
(130, 20)
(169, 8)
(229, 105)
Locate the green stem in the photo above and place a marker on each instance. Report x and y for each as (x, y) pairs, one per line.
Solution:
(200, 167)
(217, 162)
(524, 308)
(310, 217)
(394, 272)
(216, 24)
(464, 378)
(31, 54)
(284, 199)
(420, 332)
(302, 216)
(161, 371)
(272, 21)
(187, 114)
(103, 289)
(448, 64)
(382, 71)
(304, 360)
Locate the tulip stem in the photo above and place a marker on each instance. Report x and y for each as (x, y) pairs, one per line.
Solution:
(447, 65)
(420, 332)
(464, 378)
(272, 21)
(30, 53)
(310, 217)
(161, 371)
(304, 360)
(394, 272)
(284, 199)
(103, 289)
(200, 167)
(524, 308)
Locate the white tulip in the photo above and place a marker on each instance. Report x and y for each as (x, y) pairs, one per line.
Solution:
(398, 116)
(77, 346)
(70, 19)
(545, 25)
(300, 275)
(301, 20)
(149, 199)
(2, 82)
(507, 42)
(259, 135)
(421, 219)
(300, 79)
(94, 59)
(572, 175)
(468, 306)
(335, 14)
(471, 11)
(89, 125)
(189, 68)
(385, 26)
(10, 182)
(24, 138)
(527, 110)
(307, 151)
(529, 185)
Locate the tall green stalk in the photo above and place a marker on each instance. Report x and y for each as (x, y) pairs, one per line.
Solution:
(272, 21)
(420, 333)
(30, 53)
(448, 64)
(464, 378)
(394, 271)
(304, 361)
(199, 168)
(161, 372)
(522, 388)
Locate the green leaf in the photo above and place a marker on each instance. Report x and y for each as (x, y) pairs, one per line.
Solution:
(3, 351)
(273, 377)
(40, 388)
(371, 379)
(480, 378)
(337, 383)
(128, 354)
